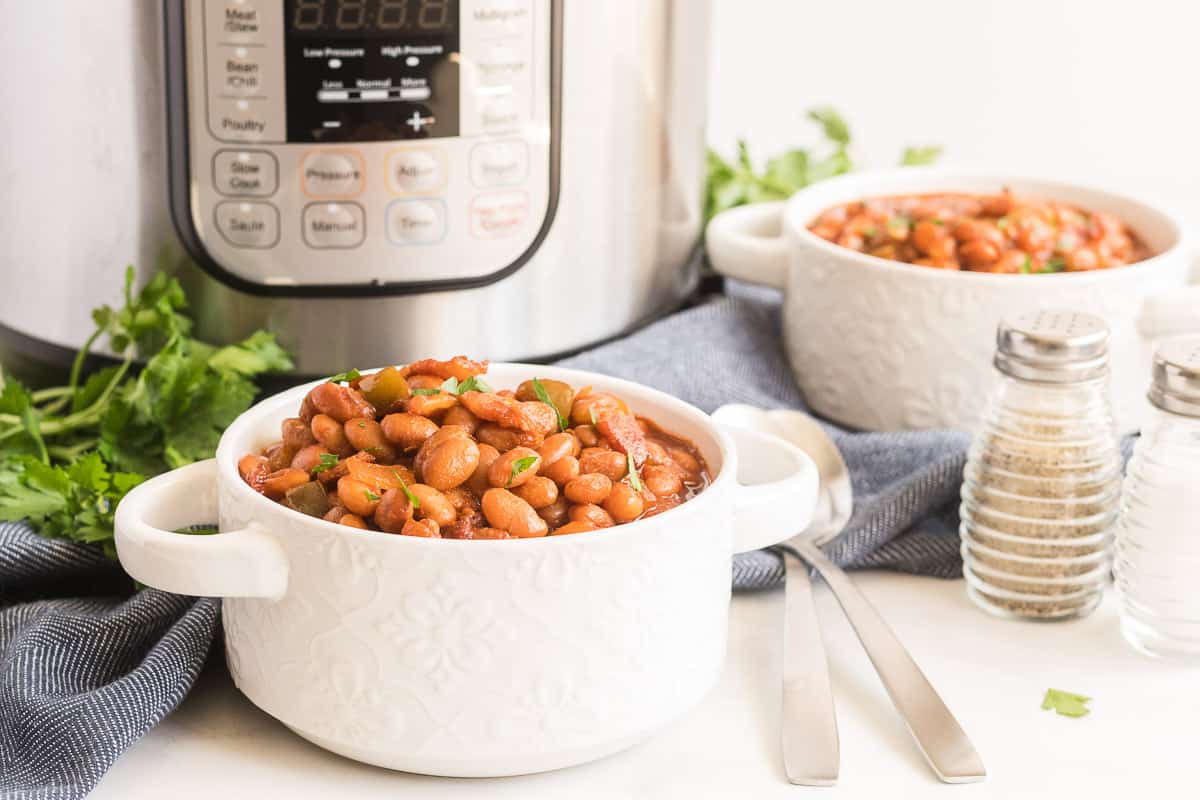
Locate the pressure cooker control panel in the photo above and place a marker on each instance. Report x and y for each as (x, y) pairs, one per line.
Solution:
(363, 146)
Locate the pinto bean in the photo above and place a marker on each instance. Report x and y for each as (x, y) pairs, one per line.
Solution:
(555, 514)
(463, 501)
(506, 511)
(458, 415)
(624, 504)
(254, 470)
(419, 381)
(505, 439)
(357, 496)
(588, 488)
(539, 492)
(592, 514)
(557, 446)
(684, 460)
(394, 511)
(582, 526)
(563, 471)
(276, 484)
(431, 405)
(367, 435)
(447, 462)
(340, 402)
(331, 435)
(433, 504)
(503, 471)
(662, 480)
(408, 431)
(309, 458)
(278, 456)
(478, 482)
(591, 406)
(609, 463)
(297, 434)
(587, 435)
(352, 521)
(425, 528)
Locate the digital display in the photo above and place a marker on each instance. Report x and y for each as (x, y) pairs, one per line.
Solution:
(372, 17)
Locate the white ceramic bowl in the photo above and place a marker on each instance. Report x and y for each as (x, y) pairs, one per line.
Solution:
(470, 658)
(882, 345)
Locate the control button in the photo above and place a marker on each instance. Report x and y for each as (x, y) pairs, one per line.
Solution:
(498, 214)
(245, 173)
(415, 171)
(499, 113)
(502, 65)
(418, 119)
(241, 71)
(334, 225)
(416, 221)
(501, 16)
(332, 174)
(248, 224)
(243, 120)
(236, 20)
(499, 163)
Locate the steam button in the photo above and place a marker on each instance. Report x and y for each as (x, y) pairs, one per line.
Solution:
(247, 224)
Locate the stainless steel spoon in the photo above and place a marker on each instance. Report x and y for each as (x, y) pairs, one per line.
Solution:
(938, 734)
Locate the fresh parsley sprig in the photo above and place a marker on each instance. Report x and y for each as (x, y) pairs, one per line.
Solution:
(519, 466)
(544, 396)
(635, 480)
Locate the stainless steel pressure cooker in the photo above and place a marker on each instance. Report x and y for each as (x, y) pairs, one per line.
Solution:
(374, 180)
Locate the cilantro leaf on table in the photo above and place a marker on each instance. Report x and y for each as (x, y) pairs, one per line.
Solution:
(920, 156)
(1067, 704)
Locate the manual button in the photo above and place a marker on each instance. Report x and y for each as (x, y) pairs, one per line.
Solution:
(334, 225)
(245, 173)
(246, 224)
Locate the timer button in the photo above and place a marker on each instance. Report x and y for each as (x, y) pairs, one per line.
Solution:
(245, 173)
(415, 170)
(499, 163)
(332, 174)
(334, 225)
(245, 224)
(416, 221)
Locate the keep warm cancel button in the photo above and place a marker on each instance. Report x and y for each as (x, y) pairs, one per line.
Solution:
(498, 214)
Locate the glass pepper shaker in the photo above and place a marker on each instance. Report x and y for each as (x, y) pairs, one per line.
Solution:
(1158, 535)
(1041, 489)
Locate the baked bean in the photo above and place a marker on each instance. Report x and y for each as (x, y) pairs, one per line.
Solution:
(408, 431)
(307, 409)
(297, 434)
(592, 514)
(280, 482)
(662, 480)
(508, 473)
(353, 521)
(393, 511)
(685, 460)
(425, 528)
(979, 253)
(588, 488)
(557, 446)
(478, 482)
(278, 457)
(587, 435)
(340, 402)
(254, 470)
(431, 405)
(424, 381)
(582, 526)
(335, 513)
(590, 407)
(460, 368)
(539, 492)
(461, 498)
(623, 503)
(433, 504)
(563, 471)
(447, 462)
(1082, 259)
(531, 417)
(367, 435)
(656, 453)
(309, 458)
(331, 435)
(609, 463)
(561, 394)
(458, 415)
(357, 496)
(378, 477)
(506, 511)
(555, 514)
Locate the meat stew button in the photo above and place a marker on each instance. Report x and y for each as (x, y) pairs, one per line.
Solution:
(245, 224)
(334, 225)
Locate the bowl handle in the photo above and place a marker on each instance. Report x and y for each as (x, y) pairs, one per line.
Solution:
(747, 242)
(776, 490)
(241, 563)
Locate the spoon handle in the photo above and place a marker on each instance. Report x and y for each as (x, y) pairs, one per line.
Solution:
(810, 734)
(941, 739)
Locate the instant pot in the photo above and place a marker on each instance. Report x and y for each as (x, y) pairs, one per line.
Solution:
(373, 180)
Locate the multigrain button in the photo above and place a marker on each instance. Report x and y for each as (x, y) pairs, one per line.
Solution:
(334, 225)
(245, 173)
(499, 163)
(498, 17)
(332, 174)
(414, 171)
(416, 221)
(246, 224)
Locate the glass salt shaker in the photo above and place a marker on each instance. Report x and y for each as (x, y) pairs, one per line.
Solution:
(1041, 489)
(1158, 535)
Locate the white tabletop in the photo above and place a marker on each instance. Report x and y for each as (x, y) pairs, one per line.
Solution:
(1139, 739)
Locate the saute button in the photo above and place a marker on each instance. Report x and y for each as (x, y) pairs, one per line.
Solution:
(499, 163)
(416, 221)
(334, 225)
(248, 224)
(498, 214)
(414, 170)
(245, 173)
(332, 174)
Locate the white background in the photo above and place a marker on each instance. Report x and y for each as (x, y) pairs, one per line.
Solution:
(1093, 90)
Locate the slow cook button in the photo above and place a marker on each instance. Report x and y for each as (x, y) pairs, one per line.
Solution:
(245, 173)
(415, 170)
(332, 174)
(499, 163)
(245, 224)
(416, 221)
(498, 214)
(334, 225)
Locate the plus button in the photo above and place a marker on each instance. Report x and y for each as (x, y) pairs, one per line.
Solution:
(417, 121)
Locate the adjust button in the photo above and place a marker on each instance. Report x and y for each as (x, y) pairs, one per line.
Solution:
(416, 221)
(332, 174)
(245, 224)
(415, 171)
(245, 173)
(499, 163)
(334, 225)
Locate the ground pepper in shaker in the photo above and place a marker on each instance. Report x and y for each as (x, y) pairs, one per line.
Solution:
(1158, 535)
(1042, 484)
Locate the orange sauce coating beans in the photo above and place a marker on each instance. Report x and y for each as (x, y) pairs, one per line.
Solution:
(982, 233)
(396, 452)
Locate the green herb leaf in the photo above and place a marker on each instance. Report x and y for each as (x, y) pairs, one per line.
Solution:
(450, 385)
(832, 124)
(346, 377)
(371, 496)
(1067, 704)
(920, 156)
(1055, 264)
(1003, 222)
(899, 222)
(592, 414)
(544, 396)
(635, 480)
(426, 391)
(474, 384)
(328, 462)
(519, 466)
(1027, 265)
(412, 498)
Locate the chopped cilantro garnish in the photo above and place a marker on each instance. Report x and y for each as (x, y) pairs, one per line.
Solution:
(592, 414)
(328, 462)
(426, 391)
(371, 496)
(1067, 704)
(450, 385)
(412, 498)
(1055, 264)
(544, 396)
(519, 466)
(346, 377)
(635, 480)
(474, 384)
(1027, 266)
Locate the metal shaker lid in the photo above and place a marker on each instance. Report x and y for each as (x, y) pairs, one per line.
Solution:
(1053, 346)
(1176, 386)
